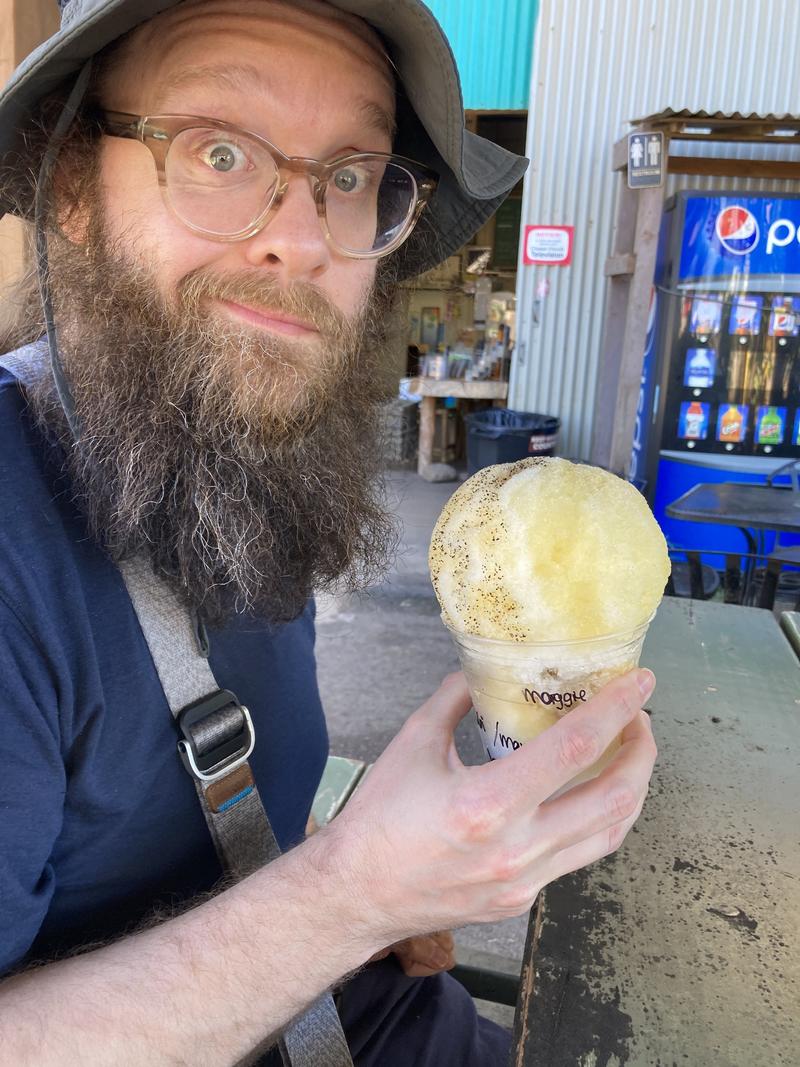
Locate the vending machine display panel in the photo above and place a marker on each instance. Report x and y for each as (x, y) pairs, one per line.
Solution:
(720, 390)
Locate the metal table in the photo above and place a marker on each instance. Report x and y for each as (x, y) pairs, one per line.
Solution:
(750, 507)
(684, 946)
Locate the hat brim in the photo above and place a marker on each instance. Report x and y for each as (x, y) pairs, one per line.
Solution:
(476, 174)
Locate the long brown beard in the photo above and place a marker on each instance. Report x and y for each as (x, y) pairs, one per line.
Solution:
(245, 465)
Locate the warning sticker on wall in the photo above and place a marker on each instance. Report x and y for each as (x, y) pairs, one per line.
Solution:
(548, 244)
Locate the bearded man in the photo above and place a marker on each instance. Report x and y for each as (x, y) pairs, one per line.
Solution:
(226, 193)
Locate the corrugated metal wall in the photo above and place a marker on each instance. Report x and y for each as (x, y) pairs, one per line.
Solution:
(493, 42)
(598, 63)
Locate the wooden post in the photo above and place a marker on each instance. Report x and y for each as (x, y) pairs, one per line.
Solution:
(427, 423)
(619, 269)
(630, 268)
(648, 223)
(24, 24)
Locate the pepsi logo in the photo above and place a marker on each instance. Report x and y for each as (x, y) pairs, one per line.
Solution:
(737, 230)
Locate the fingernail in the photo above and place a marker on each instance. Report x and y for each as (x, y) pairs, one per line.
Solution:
(646, 681)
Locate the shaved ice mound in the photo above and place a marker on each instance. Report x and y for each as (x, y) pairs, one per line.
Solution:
(547, 550)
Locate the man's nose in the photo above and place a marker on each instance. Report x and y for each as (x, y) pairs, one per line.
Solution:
(293, 241)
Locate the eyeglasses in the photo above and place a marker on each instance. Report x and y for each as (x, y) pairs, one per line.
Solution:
(226, 183)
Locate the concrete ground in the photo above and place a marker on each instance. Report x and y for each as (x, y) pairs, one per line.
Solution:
(380, 656)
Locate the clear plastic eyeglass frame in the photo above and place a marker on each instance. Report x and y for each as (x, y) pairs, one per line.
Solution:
(157, 133)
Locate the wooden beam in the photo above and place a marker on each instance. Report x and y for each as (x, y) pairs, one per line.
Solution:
(619, 154)
(623, 264)
(489, 389)
(24, 24)
(723, 129)
(34, 22)
(735, 168)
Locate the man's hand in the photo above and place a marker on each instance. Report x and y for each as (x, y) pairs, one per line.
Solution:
(431, 844)
(424, 955)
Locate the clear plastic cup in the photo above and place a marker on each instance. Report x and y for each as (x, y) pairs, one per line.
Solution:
(520, 688)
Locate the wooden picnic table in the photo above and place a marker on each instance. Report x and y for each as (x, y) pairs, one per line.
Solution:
(430, 389)
(683, 948)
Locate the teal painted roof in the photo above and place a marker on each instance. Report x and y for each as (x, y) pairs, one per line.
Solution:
(493, 45)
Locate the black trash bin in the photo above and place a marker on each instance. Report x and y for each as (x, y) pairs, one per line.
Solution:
(499, 435)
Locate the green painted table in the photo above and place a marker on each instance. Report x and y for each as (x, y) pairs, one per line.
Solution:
(684, 947)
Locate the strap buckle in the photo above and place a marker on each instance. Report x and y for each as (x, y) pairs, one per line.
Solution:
(229, 751)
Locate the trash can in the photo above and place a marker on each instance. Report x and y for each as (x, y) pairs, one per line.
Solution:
(499, 435)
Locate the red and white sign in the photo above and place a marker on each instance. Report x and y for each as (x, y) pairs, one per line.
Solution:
(548, 244)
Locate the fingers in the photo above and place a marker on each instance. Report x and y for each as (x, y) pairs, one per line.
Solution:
(384, 952)
(425, 955)
(542, 766)
(448, 705)
(587, 822)
(593, 848)
(419, 970)
(445, 940)
(614, 797)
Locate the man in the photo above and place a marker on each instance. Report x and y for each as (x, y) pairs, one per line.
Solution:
(225, 219)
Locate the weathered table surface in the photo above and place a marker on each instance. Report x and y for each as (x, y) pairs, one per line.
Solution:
(684, 947)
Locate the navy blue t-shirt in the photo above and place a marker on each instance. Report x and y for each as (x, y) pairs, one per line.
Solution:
(99, 821)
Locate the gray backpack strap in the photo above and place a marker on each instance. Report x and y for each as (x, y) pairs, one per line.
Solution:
(217, 739)
(27, 364)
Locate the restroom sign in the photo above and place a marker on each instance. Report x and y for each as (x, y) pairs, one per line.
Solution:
(645, 159)
(551, 245)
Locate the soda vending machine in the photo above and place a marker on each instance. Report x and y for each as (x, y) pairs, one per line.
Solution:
(720, 390)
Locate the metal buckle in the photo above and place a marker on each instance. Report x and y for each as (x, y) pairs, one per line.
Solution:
(224, 757)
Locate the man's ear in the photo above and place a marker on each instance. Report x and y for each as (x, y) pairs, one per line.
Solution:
(73, 185)
(72, 218)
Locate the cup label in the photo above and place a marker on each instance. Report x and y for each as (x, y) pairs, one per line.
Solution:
(495, 741)
(499, 743)
(559, 701)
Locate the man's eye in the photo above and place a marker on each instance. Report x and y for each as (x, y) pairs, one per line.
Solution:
(352, 179)
(224, 157)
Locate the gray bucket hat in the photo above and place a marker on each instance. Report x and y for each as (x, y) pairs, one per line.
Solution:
(475, 174)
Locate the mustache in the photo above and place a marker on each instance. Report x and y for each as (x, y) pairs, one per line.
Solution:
(264, 293)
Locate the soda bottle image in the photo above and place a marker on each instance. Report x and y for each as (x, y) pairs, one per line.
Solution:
(783, 323)
(706, 316)
(770, 428)
(695, 421)
(699, 369)
(784, 318)
(745, 316)
(731, 424)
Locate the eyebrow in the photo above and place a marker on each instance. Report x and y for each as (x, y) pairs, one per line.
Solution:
(244, 77)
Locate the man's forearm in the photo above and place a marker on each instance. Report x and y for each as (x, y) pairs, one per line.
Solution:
(204, 988)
